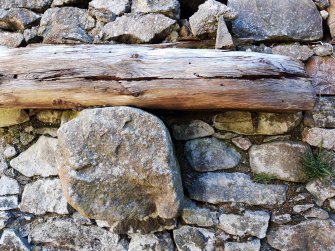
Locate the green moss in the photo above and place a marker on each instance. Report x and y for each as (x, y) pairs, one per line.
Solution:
(318, 165)
(263, 178)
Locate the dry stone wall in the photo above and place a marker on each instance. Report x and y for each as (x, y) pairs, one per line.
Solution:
(120, 178)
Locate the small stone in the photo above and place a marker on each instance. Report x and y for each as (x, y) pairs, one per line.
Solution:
(319, 137)
(9, 117)
(202, 217)
(323, 114)
(302, 208)
(321, 190)
(43, 196)
(316, 212)
(10, 240)
(18, 19)
(26, 138)
(253, 245)
(322, 4)
(204, 23)
(332, 203)
(297, 51)
(50, 116)
(66, 25)
(39, 159)
(4, 218)
(234, 187)
(276, 138)
(159, 242)
(10, 39)
(31, 35)
(81, 220)
(37, 5)
(9, 152)
(192, 130)
(308, 235)
(193, 238)
(107, 10)
(210, 154)
(323, 50)
(64, 234)
(281, 219)
(275, 21)
(103, 224)
(9, 202)
(280, 159)
(127, 147)
(224, 39)
(242, 142)
(170, 8)
(138, 28)
(324, 14)
(268, 123)
(254, 223)
(224, 135)
(47, 131)
(8, 186)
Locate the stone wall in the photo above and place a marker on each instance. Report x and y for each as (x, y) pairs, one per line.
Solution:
(121, 178)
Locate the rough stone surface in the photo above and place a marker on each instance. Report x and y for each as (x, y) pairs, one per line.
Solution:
(281, 219)
(64, 234)
(224, 39)
(273, 20)
(126, 149)
(107, 10)
(39, 159)
(31, 35)
(320, 70)
(170, 8)
(331, 18)
(10, 240)
(38, 5)
(321, 190)
(332, 203)
(302, 208)
(50, 116)
(297, 51)
(9, 152)
(202, 217)
(43, 196)
(210, 154)
(324, 112)
(242, 142)
(279, 159)
(324, 14)
(9, 117)
(66, 25)
(204, 23)
(192, 130)
(138, 28)
(319, 137)
(8, 186)
(316, 212)
(254, 223)
(155, 242)
(234, 187)
(9, 202)
(308, 235)
(323, 50)
(193, 238)
(267, 123)
(18, 19)
(4, 218)
(322, 4)
(253, 245)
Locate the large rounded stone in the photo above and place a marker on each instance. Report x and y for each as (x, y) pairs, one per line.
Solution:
(117, 164)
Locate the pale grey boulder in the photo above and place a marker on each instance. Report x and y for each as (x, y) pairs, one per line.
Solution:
(210, 154)
(218, 188)
(170, 8)
(191, 130)
(139, 28)
(18, 19)
(297, 51)
(108, 156)
(11, 240)
(8, 186)
(9, 202)
(43, 196)
(37, 5)
(11, 39)
(204, 23)
(107, 10)
(319, 137)
(254, 223)
(155, 242)
(224, 39)
(64, 234)
(38, 160)
(307, 235)
(282, 160)
(66, 25)
(285, 20)
(321, 190)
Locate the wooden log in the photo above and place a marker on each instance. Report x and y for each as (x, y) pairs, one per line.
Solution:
(65, 77)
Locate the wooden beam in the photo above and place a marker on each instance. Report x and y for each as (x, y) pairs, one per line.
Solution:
(65, 77)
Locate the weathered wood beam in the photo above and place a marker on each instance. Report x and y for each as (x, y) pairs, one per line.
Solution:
(88, 75)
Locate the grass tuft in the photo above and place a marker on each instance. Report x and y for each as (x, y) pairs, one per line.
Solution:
(263, 178)
(318, 165)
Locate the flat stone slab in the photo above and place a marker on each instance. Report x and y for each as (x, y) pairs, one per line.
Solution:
(234, 187)
(108, 156)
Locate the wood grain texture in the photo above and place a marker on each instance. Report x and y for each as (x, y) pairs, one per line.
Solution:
(157, 78)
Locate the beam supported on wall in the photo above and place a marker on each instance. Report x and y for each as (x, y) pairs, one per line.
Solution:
(63, 77)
